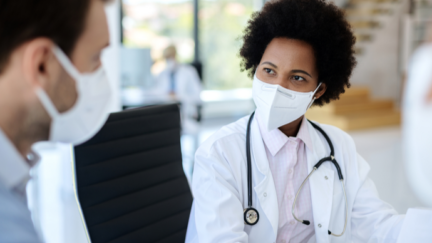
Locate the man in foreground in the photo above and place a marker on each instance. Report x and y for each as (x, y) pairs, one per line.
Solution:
(52, 88)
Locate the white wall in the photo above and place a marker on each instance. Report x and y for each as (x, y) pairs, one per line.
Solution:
(379, 66)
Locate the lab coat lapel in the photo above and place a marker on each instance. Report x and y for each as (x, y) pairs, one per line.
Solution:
(321, 185)
(263, 180)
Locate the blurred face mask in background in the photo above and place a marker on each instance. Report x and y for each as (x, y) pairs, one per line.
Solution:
(171, 64)
(278, 106)
(89, 112)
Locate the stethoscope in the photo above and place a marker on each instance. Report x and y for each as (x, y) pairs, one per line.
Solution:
(251, 215)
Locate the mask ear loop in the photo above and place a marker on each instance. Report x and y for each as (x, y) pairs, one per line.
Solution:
(310, 104)
(66, 63)
(47, 103)
(314, 98)
(70, 69)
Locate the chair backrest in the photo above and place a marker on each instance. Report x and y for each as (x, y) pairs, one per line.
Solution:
(129, 178)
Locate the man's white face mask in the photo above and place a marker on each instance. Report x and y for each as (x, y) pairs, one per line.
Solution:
(89, 112)
(278, 106)
(171, 64)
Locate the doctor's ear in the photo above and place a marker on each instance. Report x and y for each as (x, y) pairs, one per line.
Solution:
(321, 90)
(40, 67)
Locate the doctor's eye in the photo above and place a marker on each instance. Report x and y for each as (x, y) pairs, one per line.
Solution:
(269, 71)
(298, 78)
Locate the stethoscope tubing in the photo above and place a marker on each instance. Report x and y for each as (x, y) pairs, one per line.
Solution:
(249, 161)
(306, 222)
(330, 158)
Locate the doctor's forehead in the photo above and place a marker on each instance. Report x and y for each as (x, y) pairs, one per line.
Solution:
(290, 54)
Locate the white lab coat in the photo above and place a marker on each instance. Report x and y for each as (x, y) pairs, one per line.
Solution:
(417, 142)
(220, 191)
(187, 88)
(417, 124)
(188, 83)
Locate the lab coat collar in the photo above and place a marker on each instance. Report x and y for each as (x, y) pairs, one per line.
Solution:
(14, 170)
(319, 146)
(278, 139)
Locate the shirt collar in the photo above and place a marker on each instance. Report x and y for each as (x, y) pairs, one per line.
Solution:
(275, 139)
(14, 170)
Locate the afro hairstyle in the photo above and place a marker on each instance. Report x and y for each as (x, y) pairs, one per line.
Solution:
(316, 22)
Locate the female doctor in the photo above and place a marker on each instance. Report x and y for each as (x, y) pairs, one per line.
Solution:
(274, 176)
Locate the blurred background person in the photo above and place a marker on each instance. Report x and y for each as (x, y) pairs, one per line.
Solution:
(417, 123)
(181, 82)
(417, 134)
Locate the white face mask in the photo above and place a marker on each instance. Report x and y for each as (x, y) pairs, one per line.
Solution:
(278, 106)
(171, 64)
(89, 112)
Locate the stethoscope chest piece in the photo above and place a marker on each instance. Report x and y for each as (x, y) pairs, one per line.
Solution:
(251, 216)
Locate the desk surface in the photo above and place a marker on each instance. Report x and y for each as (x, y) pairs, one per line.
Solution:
(137, 97)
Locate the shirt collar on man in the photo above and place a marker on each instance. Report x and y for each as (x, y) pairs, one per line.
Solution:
(276, 139)
(14, 170)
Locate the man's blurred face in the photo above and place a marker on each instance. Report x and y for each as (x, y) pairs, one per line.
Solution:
(86, 56)
(33, 69)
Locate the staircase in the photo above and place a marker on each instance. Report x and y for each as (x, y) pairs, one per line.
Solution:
(363, 15)
(356, 108)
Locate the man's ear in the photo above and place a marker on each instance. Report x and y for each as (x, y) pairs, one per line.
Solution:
(40, 66)
(321, 90)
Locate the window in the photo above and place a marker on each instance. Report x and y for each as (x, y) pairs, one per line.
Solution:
(155, 24)
(221, 27)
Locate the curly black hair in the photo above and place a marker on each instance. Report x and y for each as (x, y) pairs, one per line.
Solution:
(316, 22)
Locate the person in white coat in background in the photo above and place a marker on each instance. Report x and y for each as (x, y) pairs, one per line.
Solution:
(299, 52)
(417, 123)
(181, 82)
(417, 143)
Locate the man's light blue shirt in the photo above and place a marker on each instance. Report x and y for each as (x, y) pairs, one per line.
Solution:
(16, 225)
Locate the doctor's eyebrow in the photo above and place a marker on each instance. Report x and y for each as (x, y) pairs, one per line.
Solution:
(301, 71)
(269, 63)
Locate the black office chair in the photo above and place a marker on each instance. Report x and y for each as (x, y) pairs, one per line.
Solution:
(130, 181)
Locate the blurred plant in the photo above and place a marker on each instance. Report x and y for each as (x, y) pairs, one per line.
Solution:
(221, 26)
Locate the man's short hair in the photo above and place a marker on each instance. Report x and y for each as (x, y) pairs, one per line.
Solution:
(170, 52)
(62, 21)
